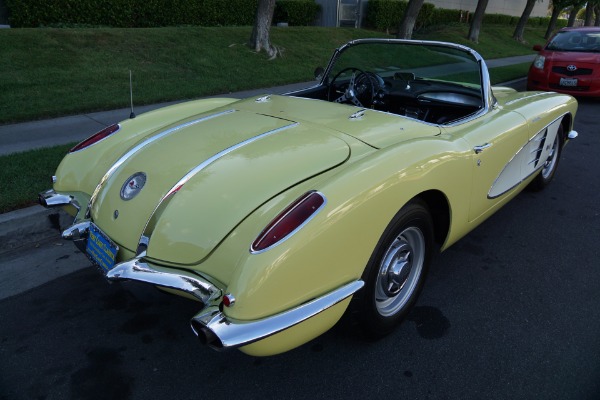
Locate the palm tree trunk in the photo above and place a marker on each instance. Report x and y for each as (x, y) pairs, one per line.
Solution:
(520, 29)
(477, 20)
(408, 20)
(260, 37)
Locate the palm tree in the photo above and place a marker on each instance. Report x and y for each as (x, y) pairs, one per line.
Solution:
(557, 7)
(260, 37)
(475, 27)
(520, 29)
(408, 20)
(577, 4)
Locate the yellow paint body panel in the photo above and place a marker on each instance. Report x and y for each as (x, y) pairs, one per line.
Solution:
(367, 168)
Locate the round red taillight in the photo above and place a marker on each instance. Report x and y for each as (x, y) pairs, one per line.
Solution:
(288, 221)
(95, 138)
(228, 300)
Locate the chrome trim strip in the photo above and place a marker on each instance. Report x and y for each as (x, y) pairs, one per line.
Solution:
(223, 333)
(146, 234)
(528, 97)
(140, 146)
(533, 138)
(140, 270)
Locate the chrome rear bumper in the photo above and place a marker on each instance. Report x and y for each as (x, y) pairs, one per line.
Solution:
(211, 325)
(217, 331)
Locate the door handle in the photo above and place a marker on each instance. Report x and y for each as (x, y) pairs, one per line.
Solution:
(479, 149)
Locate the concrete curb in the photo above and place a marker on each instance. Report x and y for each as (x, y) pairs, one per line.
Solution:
(31, 225)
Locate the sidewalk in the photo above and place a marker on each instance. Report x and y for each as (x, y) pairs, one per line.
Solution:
(36, 224)
(52, 132)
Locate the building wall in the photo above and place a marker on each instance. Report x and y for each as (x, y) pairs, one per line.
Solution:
(328, 14)
(329, 11)
(508, 7)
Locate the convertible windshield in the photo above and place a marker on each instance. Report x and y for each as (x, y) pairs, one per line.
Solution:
(390, 60)
(437, 83)
(586, 42)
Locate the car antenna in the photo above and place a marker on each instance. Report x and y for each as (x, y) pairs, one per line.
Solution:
(132, 115)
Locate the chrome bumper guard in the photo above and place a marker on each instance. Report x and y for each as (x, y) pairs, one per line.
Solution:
(214, 329)
(78, 232)
(50, 199)
(142, 271)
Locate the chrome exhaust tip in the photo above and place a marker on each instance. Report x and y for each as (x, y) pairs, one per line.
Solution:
(205, 335)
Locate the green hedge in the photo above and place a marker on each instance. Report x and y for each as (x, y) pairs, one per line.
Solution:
(545, 21)
(500, 19)
(296, 12)
(385, 15)
(151, 13)
(444, 16)
(511, 20)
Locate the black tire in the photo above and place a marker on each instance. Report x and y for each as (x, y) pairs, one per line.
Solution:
(547, 172)
(396, 271)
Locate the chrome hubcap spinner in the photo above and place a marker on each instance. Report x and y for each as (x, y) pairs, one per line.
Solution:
(399, 271)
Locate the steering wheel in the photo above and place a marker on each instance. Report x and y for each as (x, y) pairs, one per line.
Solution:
(360, 90)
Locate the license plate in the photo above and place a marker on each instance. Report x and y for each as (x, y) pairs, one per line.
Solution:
(568, 82)
(101, 250)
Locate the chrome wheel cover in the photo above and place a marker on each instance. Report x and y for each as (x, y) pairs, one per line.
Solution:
(399, 271)
(550, 163)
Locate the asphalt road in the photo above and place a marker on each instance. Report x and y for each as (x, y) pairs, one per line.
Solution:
(512, 311)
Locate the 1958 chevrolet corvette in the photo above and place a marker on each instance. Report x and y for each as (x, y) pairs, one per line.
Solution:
(279, 214)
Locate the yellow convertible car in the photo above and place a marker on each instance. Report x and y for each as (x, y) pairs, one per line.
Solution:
(281, 213)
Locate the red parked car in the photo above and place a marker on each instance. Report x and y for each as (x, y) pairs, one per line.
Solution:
(569, 63)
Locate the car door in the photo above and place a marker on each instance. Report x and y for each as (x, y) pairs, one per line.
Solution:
(492, 141)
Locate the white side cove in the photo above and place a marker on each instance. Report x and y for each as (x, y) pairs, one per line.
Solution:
(528, 160)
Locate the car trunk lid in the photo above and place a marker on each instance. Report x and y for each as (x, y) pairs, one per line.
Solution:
(226, 166)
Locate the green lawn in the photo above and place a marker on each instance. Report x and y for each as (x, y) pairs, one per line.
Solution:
(53, 72)
(24, 175)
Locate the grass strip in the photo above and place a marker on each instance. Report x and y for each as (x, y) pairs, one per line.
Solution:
(24, 175)
(52, 72)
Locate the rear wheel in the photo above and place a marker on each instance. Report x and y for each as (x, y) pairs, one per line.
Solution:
(551, 164)
(396, 271)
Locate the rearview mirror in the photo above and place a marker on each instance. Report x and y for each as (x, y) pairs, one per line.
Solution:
(537, 47)
(404, 76)
(319, 71)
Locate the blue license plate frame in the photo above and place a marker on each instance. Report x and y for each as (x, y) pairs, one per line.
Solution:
(101, 249)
